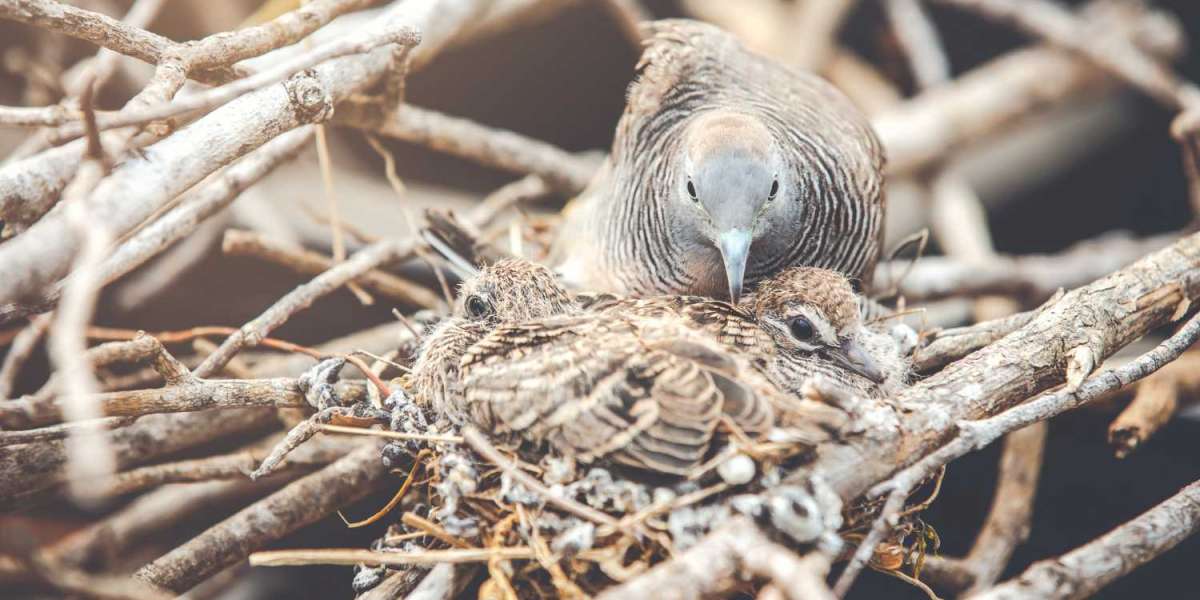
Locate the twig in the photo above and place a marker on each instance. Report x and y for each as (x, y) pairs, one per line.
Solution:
(1032, 276)
(236, 466)
(394, 435)
(1087, 569)
(245, 243)
(973, 435)
(1157, 399)
(194, 207)
(987, 99)
(58, 432)
(337, 242)
(302, 297)
(942, 347)
(712, 567)
(19, 352)
(480, 444)
(279, 392)
(1117, 55)
(1007, 524)
(137, 189)
(923, 48)
(1104, 316)
(493, 147)
(151, 513)
(354, 556)
(300, 503)
(30, 468)
(93, 27)
(88, 451)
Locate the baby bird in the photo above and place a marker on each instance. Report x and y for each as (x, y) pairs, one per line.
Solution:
(507, 291)
(726, 168)
(813, 316)
(641, 391)
(519, 357)
(801, 323)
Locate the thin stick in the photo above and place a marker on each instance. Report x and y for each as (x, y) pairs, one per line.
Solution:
(480, 444)
(354, 556)
(396, 498)
(1087, 569)
(393, 435)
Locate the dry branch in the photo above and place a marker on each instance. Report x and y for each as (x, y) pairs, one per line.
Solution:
(28, 188)
(191, 210)
(245, 243)
(97, 28)
(1034, 277)
(1156, 401)
(1103, 317)
(927, 128)
(1052, 22)
(19, 351)
(152, 513)
(236, 466)
(976, 434)
(302, 297)
(942, 347)
(300, 503)
(714, 566)
(487, 145)
(137, 188)
(30, 468)
(1008, 522)
(1087, 569)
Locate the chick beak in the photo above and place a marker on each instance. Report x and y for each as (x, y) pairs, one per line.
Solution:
(735, 249)
(851, 356)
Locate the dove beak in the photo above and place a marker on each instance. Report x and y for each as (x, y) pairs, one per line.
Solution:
(735, 249)
(853, 357)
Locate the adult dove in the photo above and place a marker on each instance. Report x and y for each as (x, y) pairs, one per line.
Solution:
(726, 168)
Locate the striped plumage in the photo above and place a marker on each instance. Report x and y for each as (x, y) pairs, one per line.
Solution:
(640, 391)
(853, 357)
(507, 291)
(773, 157)
(643, 382)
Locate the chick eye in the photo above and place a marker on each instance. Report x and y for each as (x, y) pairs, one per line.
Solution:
(802, 329)
(774, 190)
(691, 189)
(477, 308)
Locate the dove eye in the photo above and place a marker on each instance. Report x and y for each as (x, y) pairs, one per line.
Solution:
(691, 189)
(802, 329)
(774, 190)
(477, 308)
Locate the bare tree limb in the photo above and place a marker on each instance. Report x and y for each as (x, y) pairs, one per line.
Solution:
(1117, 55)
(713, 567)
(305, 501)
(245, 243)
(1035, 277)
(32, 467)
(97, 28)
(490, 146)
(1156, 401)
(1007, 524)
(989, 98)
(1087, 569)
(1102, 317)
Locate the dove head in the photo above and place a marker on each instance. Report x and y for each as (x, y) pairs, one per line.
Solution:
(512, 290)
(734, 196)
(814, 312)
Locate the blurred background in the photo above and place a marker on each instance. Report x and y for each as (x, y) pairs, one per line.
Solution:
(1100, 162)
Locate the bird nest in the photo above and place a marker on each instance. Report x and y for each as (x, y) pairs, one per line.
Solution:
(524, 521)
